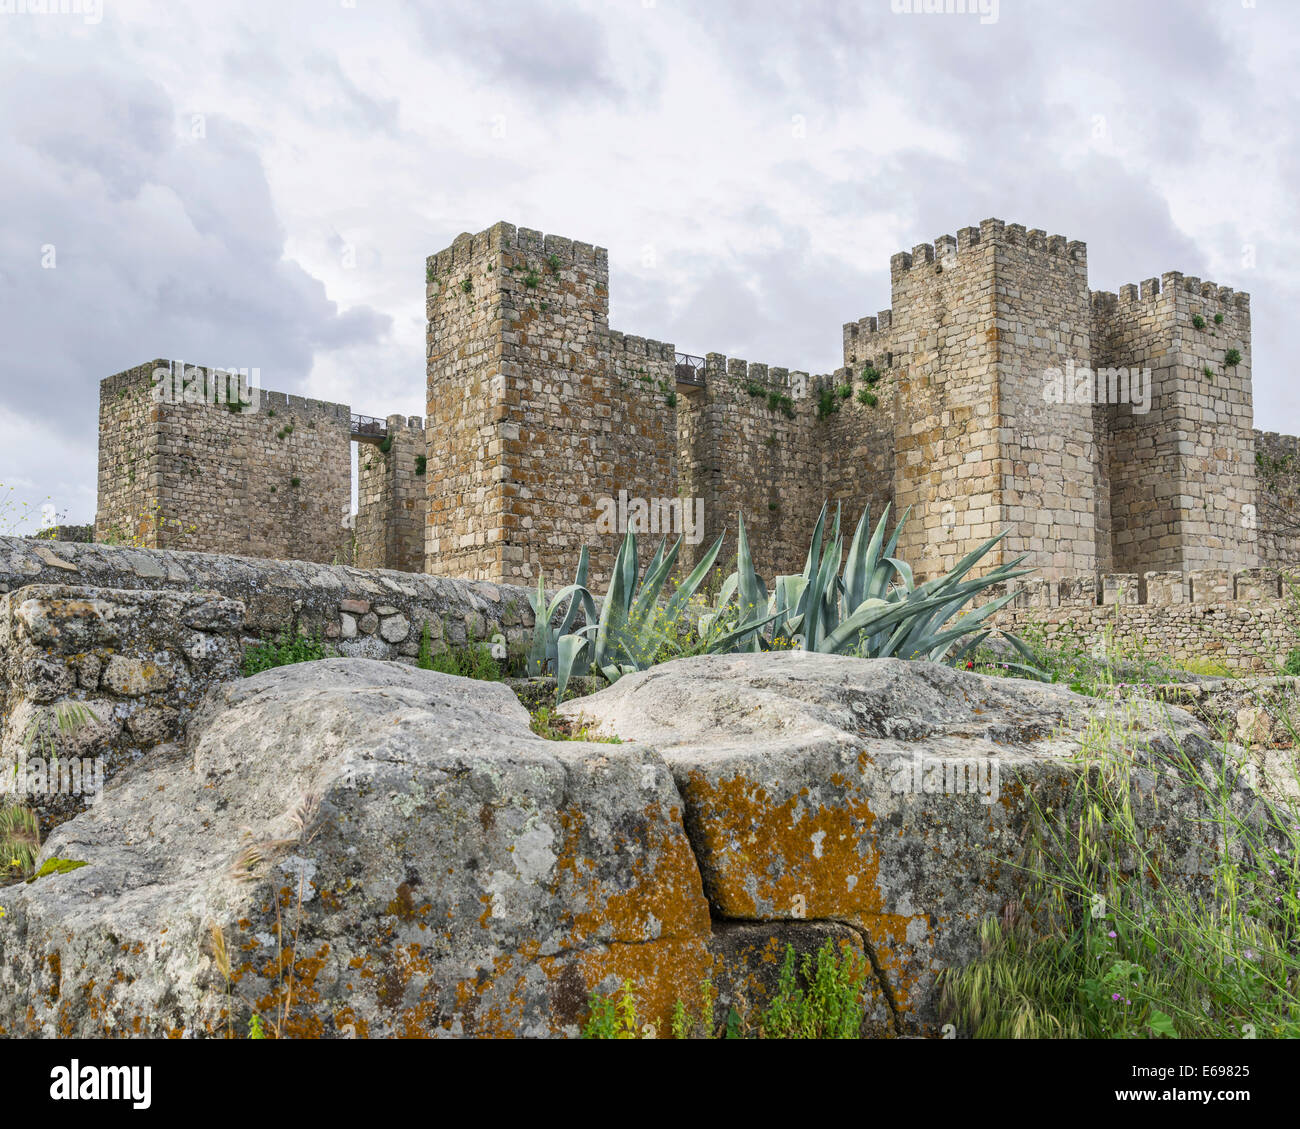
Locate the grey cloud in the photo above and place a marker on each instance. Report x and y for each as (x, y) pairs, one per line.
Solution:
(162, 247)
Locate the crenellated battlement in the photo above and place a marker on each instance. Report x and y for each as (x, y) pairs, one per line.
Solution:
(947, 250)
(1171, 288)
(638, 347)
(468, 249)
(1192, 586)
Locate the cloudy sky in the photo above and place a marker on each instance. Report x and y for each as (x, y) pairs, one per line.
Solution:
(257, 184)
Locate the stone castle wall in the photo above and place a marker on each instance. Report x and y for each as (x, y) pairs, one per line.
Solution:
(391, 498)
(947, 410)
(538, 413)
(1181, 474)
(267, 478)
(547, 430)
(1277, 512)
(1246, 617)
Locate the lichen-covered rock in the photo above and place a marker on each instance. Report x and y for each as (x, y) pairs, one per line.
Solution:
(360, 848)
(893, 796)
(393, 844)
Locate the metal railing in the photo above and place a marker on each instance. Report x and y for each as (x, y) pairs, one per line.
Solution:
(368, 429)
(689, 369)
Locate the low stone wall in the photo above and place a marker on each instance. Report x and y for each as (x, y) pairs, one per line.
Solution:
(1247, 618)
(93, 678)
(362, 613)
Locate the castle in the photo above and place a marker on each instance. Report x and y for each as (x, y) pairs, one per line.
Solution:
(1107, 433)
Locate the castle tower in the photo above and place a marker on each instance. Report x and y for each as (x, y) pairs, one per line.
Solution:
(540, 418)
(1179, 457)
(976, 324)
(391, 496)
(201, 459)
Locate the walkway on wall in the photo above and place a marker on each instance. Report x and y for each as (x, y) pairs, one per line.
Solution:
(368, 429)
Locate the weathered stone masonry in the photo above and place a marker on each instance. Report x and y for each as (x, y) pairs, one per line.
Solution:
(270, 478)
(541, 417)
(538, 410)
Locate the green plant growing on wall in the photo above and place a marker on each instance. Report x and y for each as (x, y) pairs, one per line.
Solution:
(466, 285)
(1218, 319)
(532, 279)
(386, 444)
(1198, 322)
(871, 375)
(832, 1005)
(827, 404)
(1232, 357)
(755, 389)
(429, 276)
(295, 482)
(553, 262)
(866, 396)
(844, 391)
(421, 465)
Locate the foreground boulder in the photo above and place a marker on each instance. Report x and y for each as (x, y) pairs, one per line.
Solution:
(896, 797)
(358, 848)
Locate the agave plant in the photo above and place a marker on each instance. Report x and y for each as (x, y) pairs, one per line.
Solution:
(629, 634)
(874, 609)
(543, 652)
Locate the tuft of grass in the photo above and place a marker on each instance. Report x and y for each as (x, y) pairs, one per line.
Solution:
(554, 727)
(20, 841)
(1118, 944)
(1232, 357)
(285, 651)
(465, 662)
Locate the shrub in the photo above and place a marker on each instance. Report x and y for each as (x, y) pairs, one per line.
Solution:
(1232, 357)
(1198, 322)
(866, 396)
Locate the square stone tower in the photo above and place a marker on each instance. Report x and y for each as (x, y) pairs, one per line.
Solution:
(539, 416)
(1179, 470)
(976, 322)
